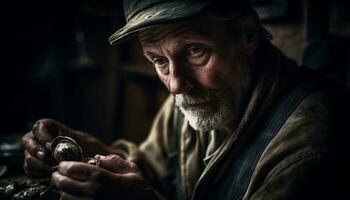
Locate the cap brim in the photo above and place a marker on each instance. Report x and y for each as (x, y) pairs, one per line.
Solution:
(156, 15)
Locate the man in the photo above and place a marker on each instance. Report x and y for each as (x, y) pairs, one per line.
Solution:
(242, 121)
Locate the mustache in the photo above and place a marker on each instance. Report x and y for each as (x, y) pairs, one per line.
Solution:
(198, 96)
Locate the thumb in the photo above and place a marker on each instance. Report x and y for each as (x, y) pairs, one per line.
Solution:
(114, 163)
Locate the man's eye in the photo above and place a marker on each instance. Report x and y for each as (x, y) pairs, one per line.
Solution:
(160, 62)
(195, 51)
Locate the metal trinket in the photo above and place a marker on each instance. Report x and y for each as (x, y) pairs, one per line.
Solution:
(92, 161)
(64, 148)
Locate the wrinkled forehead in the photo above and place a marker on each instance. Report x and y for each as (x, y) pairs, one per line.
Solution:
(199, 27)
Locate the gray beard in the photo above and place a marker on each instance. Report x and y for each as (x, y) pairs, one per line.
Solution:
(215, 115)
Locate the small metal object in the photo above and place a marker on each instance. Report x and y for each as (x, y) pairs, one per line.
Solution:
(54, 168)
(64, 148)
(92, 161)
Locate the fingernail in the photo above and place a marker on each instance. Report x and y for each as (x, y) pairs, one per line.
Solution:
(40, 154)
(35, 127)
(99, 157)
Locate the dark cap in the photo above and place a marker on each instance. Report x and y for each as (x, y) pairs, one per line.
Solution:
(142, 14)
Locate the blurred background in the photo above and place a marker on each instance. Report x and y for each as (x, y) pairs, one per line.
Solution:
(58, 62)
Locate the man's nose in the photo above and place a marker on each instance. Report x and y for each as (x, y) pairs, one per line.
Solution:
(180, 79)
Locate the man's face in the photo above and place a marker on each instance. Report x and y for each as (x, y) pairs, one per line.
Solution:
(202, 66)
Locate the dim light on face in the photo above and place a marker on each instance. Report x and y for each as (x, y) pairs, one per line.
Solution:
(201, 65)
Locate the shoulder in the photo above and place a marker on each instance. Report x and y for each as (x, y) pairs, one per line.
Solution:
(167, 107)
(313, 125)
(165, 114)
(162, 132)
(307, 145)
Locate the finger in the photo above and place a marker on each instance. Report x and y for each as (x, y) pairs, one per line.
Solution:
(33, 174)
(33, 147)
(44, 130)
(115, 164)
(72, 186)
(78, 170)
(66, 196)
(34, 164)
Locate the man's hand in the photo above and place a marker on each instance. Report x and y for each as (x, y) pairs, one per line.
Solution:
(37, 157)
(115, 179)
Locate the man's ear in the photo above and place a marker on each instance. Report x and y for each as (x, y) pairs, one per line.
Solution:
(250, 38)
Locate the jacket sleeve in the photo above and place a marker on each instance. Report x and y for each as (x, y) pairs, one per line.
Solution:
(152, 156)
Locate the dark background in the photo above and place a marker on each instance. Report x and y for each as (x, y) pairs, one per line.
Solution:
(57, 62)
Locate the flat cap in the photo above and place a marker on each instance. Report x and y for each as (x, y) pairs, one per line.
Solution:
(142, 14)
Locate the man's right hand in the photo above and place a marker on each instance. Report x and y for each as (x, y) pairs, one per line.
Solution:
(37, 156)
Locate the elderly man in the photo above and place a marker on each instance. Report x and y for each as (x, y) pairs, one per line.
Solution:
(242, 120)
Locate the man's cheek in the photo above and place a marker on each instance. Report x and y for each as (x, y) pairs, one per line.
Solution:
(211, 78)
(165, 81)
